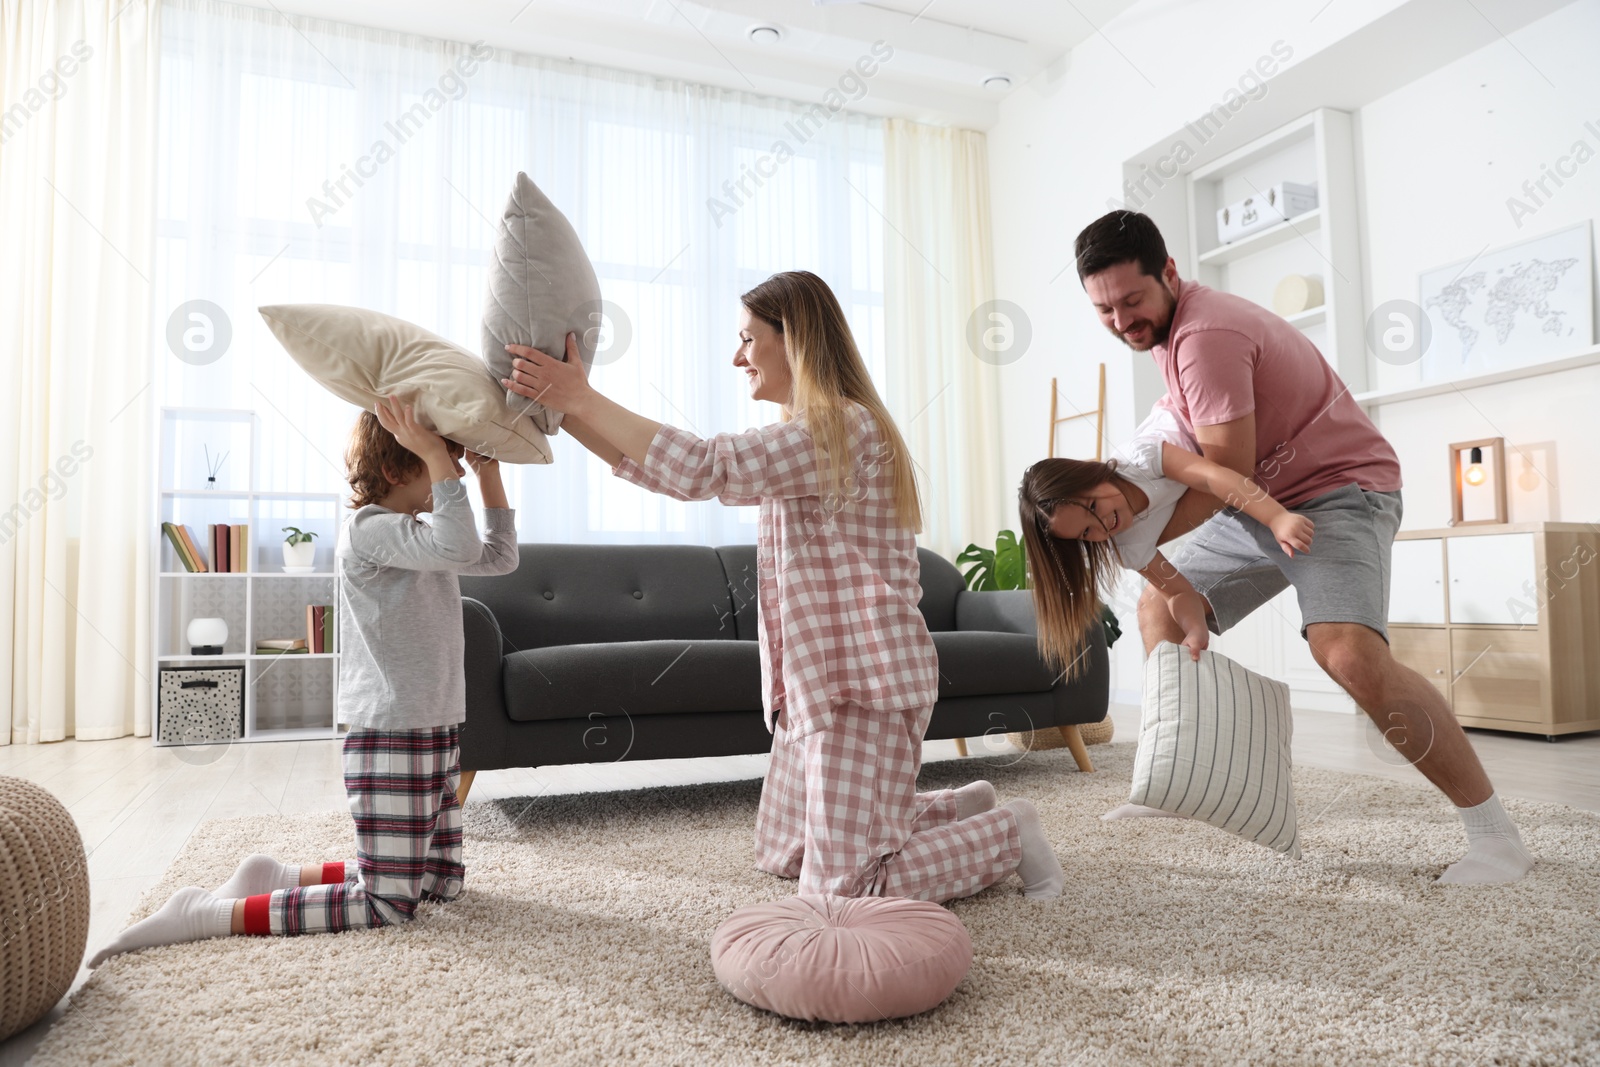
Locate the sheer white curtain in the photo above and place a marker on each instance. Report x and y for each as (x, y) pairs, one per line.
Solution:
(945, 341)
(77, 132)
(297, 166)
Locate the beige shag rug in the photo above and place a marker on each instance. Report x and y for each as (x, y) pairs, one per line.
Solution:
(583, 936)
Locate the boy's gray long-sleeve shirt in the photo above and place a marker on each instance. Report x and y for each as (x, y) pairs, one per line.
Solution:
(400, 632)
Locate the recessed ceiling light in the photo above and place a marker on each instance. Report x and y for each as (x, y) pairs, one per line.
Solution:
(997, 83)
(765, 34)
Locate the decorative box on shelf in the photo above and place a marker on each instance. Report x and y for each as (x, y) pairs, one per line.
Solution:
(1274, 204)
(200, 705)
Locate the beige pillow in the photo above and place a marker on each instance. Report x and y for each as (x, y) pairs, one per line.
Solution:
(1214, 746)
(361, 355)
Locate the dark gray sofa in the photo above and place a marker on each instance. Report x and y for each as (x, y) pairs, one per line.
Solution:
(595, 653)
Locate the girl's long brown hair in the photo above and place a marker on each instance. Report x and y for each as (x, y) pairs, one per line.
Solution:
(1065, 576)
(828, 372)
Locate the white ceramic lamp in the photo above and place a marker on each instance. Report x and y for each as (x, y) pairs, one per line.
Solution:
(207, 636)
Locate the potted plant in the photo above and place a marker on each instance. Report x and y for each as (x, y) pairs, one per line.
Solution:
(299, 553)
(1005, 567)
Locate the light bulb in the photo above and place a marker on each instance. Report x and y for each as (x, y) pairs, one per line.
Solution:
(1474, 475)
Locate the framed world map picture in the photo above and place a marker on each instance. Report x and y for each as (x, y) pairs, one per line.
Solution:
(1527, 303)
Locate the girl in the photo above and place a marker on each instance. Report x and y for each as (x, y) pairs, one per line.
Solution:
(1083, 518)
(402, 692)
(849, 671)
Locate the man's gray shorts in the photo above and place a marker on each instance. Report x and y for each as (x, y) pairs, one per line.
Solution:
(1233, 561)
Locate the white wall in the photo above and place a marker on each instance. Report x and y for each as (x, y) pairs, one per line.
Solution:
(1440, 157)
(1056, 156)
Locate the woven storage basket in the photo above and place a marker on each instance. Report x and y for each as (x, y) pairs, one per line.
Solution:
(44, 903)
(1094, 733)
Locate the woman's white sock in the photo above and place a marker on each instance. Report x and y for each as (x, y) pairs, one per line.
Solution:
(258, 874)
(191, 915)
(1040, 871)
(1495, 852)
(975, 798)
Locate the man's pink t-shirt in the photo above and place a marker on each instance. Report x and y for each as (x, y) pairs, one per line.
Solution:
(1227, 357)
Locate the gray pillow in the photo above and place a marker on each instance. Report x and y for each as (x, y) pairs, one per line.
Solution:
(541, 287)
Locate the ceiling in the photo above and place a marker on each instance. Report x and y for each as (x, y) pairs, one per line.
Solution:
(943, 50)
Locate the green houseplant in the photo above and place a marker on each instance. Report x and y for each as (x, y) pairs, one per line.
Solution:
(1005, 567)
(298, 548)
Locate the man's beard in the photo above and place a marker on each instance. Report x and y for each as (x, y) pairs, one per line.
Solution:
(1158, 335)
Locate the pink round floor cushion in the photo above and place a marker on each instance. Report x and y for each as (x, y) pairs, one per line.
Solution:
(842, 959)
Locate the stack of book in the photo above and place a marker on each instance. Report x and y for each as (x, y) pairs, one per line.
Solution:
(281, 646)
(229, 548)
(319, 627)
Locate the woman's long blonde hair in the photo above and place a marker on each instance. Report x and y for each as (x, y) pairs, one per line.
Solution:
(1066, 576)
(828, 372)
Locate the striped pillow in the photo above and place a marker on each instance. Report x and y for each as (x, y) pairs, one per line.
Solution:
(1214, 746)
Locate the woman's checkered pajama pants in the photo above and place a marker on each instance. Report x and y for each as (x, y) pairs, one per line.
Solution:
(840, 810)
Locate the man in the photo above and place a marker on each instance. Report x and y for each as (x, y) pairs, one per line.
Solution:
(1259, 398)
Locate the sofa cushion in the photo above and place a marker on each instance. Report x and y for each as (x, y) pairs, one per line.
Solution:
(632, 678)
(941, 584)
(986, 664)
(589, 594)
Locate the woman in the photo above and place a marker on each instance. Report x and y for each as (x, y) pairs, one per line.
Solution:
(849, 671)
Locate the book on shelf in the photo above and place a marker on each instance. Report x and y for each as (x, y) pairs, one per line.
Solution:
(264, 650)
(281, 642)
(194, 549)
(183, 547)
(319, 627)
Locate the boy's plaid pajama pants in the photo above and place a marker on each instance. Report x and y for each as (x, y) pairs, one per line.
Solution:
(840, 810)
(402, 788)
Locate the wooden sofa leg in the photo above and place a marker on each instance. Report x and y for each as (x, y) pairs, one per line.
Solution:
(465, 786)
(1080, 752)
(961, 746)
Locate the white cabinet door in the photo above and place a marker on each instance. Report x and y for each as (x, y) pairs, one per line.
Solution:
(1492, 580)
(1416, 582)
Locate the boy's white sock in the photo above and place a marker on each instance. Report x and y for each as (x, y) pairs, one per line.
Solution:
(258, 874)
(1040, 871)
(191, 915)
(1495, 852)
(1139, 811)
(975, 798)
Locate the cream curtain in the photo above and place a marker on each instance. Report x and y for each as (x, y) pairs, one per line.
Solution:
(943, 342)
(77, 167)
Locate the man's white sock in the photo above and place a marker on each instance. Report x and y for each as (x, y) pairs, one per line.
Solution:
(975, 798)
(259, 874)
(191, 915)
(1495, 852)
(1039, 869)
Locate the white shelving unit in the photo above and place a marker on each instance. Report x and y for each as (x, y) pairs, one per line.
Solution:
(1315, 149)
(286, 698)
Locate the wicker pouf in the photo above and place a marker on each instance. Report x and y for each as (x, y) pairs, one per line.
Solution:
(1094, 733)
(44, 903)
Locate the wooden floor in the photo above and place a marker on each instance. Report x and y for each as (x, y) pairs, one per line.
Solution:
(136, 805)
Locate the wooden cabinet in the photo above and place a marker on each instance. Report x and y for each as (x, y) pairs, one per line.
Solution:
(1504, 621)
